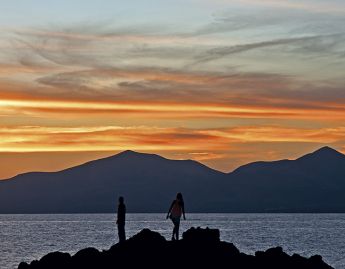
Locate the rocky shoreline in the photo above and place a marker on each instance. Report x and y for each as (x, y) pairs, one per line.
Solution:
(199, 248)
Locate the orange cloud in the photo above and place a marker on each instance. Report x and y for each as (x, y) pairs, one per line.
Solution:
(285, 134)
(26, 139)
(165, 110)
(107, 138)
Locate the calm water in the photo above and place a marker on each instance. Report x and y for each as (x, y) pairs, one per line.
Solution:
(28, 237)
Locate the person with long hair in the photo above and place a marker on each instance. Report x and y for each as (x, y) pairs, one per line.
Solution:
(175, 212)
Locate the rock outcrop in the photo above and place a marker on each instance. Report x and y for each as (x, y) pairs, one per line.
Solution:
(199, 248)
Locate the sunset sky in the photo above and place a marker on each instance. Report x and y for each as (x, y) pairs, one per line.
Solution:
(218, 81)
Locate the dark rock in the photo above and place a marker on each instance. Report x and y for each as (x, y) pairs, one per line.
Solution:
(199, 248)
(23, 265)
(201, 235)
(54, 260)
(88, 257)
(147, 236)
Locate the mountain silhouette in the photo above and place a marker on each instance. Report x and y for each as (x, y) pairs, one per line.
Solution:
(147, 181)
(312, 183)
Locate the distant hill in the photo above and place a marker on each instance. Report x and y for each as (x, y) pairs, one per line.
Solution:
(312, 183)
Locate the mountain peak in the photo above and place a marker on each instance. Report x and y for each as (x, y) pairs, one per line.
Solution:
(128, 152)
(324, 152)
(327, 150)
(134, 154)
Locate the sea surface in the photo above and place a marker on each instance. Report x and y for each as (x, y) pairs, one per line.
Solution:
(29, 237)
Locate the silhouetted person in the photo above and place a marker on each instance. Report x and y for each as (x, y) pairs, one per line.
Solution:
(121, 219)
(175, 212)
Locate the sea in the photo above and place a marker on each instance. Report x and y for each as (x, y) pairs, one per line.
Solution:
(29, 237)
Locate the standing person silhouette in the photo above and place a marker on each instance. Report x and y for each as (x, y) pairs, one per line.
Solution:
(121, 219)
(175, 212)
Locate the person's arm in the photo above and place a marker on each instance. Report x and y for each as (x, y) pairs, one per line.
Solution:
(172, 204)
(184, 217)
(117, 216)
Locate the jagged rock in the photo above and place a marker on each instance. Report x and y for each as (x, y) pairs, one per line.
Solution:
(88, 257)
(201, 235)
(199, 248)
(54, 260)
(147, 236)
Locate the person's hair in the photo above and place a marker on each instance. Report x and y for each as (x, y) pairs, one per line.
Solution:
(179, 197)
(121, 200)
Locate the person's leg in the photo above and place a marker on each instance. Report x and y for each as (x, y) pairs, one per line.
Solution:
(119, 232)
(177, 228)
(173, 233)
(122, 233)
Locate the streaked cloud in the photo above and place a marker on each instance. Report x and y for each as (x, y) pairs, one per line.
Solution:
(314, 43)
(107, 138)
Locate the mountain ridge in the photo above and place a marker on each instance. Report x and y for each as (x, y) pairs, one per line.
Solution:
(131, 153)
(309, 183)
(122, 154)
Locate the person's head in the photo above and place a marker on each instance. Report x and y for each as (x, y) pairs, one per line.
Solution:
(121, 200)
(179, 196)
